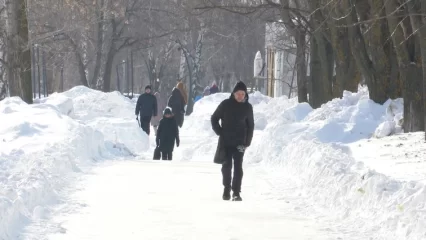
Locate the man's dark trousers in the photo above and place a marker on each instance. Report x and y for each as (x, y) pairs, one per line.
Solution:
(233, 153)
(145, 121)
(167, 155)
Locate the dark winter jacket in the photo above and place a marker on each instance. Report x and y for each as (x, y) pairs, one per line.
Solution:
(167, 134)
(177, 104)
(237, 122)
(146, 105)
(214, 89)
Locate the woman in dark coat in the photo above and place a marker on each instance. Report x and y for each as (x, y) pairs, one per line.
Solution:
(177, 102)
(161, 105)
(235, 135)
(167, 134)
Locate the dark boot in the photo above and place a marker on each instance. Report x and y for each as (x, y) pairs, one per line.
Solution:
(236, 197)
(226, 194)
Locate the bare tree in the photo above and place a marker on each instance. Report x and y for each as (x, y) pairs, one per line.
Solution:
(381, 41)
(2, 50)
(18, 61)
(278, 11)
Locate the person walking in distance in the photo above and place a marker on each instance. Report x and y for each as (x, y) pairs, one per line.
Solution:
(146, 107)
(167, 134)
(161, 105)
(235, 135)
(177, 102)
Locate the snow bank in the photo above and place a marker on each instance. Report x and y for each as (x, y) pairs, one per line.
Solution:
(44, 146)
(63, 103)
(313, 148)
(113, 115)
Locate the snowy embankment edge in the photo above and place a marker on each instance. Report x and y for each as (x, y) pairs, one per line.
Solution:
(306, 145)
(355, 194)
(36, 178)
(345, 187)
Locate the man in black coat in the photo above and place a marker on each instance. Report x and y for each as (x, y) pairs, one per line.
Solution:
(146, 107)
(235, 134)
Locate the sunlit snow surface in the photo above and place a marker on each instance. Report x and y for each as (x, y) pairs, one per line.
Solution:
(76, 166)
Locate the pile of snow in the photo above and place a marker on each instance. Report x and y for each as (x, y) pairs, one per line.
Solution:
(44, 146)
(314, 148)
(110, 113)
(63, 103)
(393, 124)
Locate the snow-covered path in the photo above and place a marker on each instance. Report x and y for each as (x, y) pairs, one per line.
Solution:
(177, 200)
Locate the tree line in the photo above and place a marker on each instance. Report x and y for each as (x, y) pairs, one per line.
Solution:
(53, 45)
(342, 43)
(338, 44)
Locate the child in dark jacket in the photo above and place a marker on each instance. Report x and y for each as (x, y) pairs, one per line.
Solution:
(167, 133)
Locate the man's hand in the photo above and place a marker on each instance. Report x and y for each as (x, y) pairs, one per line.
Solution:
(241, 148)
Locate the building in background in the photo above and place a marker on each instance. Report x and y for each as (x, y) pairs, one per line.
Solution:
(280, 74)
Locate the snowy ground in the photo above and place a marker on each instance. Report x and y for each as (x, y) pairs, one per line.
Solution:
(179, 200)
(329, 173)
(402, 157)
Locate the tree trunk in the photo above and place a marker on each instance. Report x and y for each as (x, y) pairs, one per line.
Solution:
(302, 90)
(106, 87)
(81, 68)
(357, 43)
(152, 73)
(400, 46)
(80, 64)
(108, 69)
(410, 74)
(325, 53)
(417, 87)
(195, 87)
(422, 37)
(347, 76)
(18, 51)
(381, 51)
(99, 44)
(376, 71)
(413, 104)
(299, 35)
(315, 76)
(11, 49)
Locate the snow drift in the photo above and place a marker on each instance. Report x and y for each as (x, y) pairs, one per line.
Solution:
(313, 148)
(44, 146)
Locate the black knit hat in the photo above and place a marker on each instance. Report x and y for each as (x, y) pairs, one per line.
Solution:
(240, 86)
(167, 110)
(148, 87)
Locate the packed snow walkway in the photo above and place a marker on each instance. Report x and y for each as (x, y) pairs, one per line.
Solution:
(145, 199)
(180, 200)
